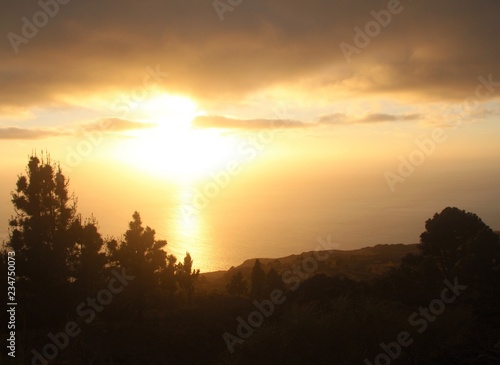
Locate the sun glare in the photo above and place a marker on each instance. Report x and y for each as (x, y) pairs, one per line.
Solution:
(171, 110)
(173, 149)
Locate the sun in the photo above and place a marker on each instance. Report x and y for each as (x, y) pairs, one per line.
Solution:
(174, 149)
(171, 110)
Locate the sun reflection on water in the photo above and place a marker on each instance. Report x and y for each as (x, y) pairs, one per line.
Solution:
(191, 232)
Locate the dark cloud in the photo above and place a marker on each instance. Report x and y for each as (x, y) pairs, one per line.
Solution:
(431, 51)
(380, 117)
(116, 125)
(14, 133)
(339, 118)
(104, 125)
(336, 118)
(331, 119)
(232, 123)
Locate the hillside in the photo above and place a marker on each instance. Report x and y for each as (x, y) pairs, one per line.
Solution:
(360, 264)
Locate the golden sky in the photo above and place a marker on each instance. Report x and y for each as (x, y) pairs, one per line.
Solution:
(181, 89)
(261, 56)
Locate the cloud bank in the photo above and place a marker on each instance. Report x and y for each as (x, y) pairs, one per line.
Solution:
(431, 50)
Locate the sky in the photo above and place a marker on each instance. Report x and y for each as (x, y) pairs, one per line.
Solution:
(401, 95)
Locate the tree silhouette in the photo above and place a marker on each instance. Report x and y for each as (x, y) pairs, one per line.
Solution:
(258, 284)
(187, 276)
(40, 235)
(168, 279)
(237, 286)
(88, 259)
(461, 244)
(143, 257)
(40, 229)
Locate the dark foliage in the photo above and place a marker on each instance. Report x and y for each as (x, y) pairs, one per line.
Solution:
(258, 281)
